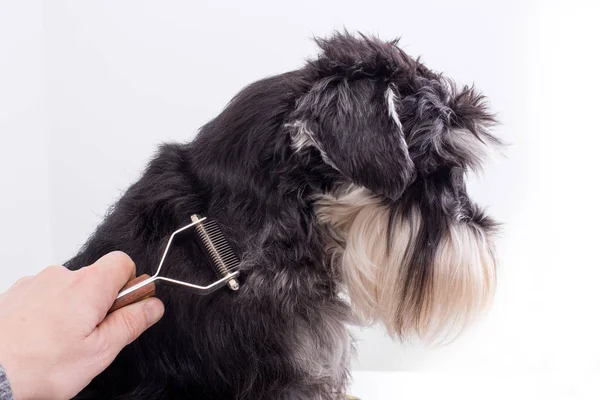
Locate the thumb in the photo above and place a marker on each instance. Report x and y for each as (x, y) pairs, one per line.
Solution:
(124, 325)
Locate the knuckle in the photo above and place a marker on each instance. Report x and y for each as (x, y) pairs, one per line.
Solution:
(92, 272)
(133, 324)
(54, 270)
(102, 348)
(122, 258)
(23, 280)
(89, 274)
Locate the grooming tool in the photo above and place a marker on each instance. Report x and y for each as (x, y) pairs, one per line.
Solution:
(222, 257)
(220, 252)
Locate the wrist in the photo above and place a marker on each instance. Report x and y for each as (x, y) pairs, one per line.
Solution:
(15, 378)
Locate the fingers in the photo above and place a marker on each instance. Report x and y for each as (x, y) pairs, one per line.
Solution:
(104, 278)
(124, 326)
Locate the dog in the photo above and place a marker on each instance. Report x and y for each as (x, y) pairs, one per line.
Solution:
(341, 186)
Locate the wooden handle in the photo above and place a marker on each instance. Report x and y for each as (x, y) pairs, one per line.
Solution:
(142, 293)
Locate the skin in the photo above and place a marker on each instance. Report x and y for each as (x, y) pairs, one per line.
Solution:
(55, 336)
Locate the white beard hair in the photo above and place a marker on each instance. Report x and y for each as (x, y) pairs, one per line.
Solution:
(460, 287)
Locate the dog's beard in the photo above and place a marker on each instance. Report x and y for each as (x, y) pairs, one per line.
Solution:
(377, 265)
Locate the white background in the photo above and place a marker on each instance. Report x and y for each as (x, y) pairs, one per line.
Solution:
(88, 89)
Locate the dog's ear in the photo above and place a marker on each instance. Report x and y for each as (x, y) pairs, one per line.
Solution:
(447, 126)
(351, 116)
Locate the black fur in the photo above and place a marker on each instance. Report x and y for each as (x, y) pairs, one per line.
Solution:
(243, 171)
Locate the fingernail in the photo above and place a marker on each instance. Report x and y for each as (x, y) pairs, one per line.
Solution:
(154, 310)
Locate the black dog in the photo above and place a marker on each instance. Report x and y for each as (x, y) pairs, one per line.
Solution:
(341, 186)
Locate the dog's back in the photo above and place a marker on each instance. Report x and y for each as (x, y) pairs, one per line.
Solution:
(285, 322)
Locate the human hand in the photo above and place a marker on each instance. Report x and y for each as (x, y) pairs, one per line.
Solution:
(55, 336)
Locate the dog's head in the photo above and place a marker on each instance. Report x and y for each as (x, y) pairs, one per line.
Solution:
(413, 249)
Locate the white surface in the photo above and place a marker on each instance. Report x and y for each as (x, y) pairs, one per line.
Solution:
(395, 385)
(24, 180)
(120, 77)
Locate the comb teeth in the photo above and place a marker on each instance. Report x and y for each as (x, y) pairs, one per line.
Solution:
(220, 252)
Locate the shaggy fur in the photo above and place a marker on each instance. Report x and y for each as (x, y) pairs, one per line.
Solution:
(341, 186)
